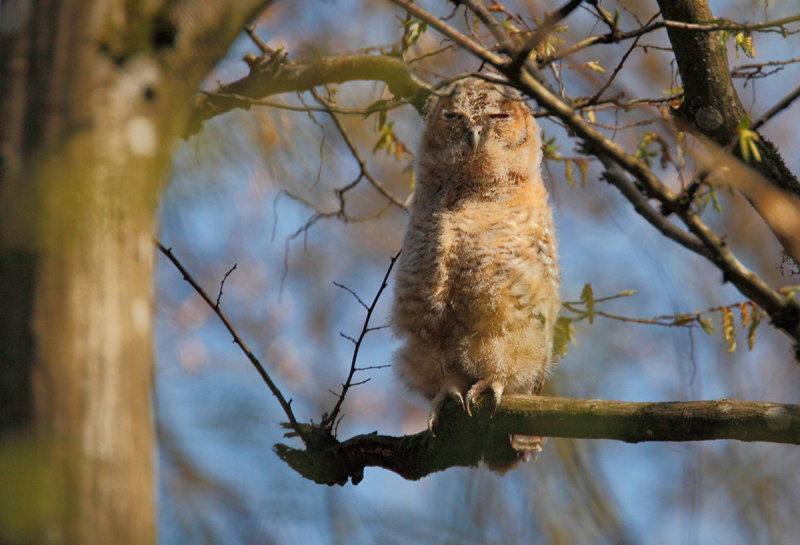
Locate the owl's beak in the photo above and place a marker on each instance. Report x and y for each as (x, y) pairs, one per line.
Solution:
(476, 138)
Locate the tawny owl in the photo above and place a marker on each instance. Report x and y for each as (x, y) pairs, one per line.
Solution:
(476, 295)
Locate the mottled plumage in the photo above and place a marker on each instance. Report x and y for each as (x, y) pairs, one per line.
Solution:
(477, 285)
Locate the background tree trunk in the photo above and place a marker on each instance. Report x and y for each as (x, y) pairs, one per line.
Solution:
(92, 94)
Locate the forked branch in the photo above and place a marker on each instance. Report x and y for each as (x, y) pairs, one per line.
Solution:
(329, 421)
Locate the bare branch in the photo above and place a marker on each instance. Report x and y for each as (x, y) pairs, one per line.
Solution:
(362, 165)
(285, 405)
(724, 24)
(340, 213)
(354, 294)
(756, 70)
(222, 284)
(330, 419)
(464, 441)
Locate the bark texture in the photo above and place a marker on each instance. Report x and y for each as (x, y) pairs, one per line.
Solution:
(92, 94)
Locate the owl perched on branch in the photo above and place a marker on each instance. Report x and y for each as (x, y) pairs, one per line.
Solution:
(476, 296)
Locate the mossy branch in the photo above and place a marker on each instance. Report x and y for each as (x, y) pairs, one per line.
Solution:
(464, 441)
(272, 75)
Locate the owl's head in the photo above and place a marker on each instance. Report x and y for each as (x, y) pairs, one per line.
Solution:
(481, 131)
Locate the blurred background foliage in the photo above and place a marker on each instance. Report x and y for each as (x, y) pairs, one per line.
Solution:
(230, 201)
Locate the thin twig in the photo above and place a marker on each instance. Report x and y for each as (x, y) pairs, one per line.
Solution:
(616, 71)
(769, 114)
(724, 24)
(740, 71)
(340, 213)
(351, 292)
(542, 32)
(371, 367)
(330, 419)
(617, 37)
(362, 165)
(285, 405)
(222, 284)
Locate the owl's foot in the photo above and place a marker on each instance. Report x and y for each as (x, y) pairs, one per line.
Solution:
(450, 389)
(483, 385)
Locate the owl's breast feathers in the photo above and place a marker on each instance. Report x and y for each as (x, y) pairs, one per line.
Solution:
(480, 268)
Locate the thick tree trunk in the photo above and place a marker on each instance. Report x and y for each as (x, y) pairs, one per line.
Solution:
(92, 95)
(82, 163)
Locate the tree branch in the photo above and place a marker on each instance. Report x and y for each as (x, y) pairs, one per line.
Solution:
(274, 75)
(195, 34)
(710, 104)
(464, 441)
(782, 104)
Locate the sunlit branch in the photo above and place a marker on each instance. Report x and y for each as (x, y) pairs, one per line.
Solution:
(275, 75)
(285, 405)
(362, 112)
(464, 441)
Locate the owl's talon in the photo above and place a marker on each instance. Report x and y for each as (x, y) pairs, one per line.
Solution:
(456, 396)
(433, 419)
(451, 389)
(494, 386)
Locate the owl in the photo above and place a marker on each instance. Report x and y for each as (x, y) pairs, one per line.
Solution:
(477, 287)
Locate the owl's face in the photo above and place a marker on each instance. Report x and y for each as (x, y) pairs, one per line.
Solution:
(483, 130)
